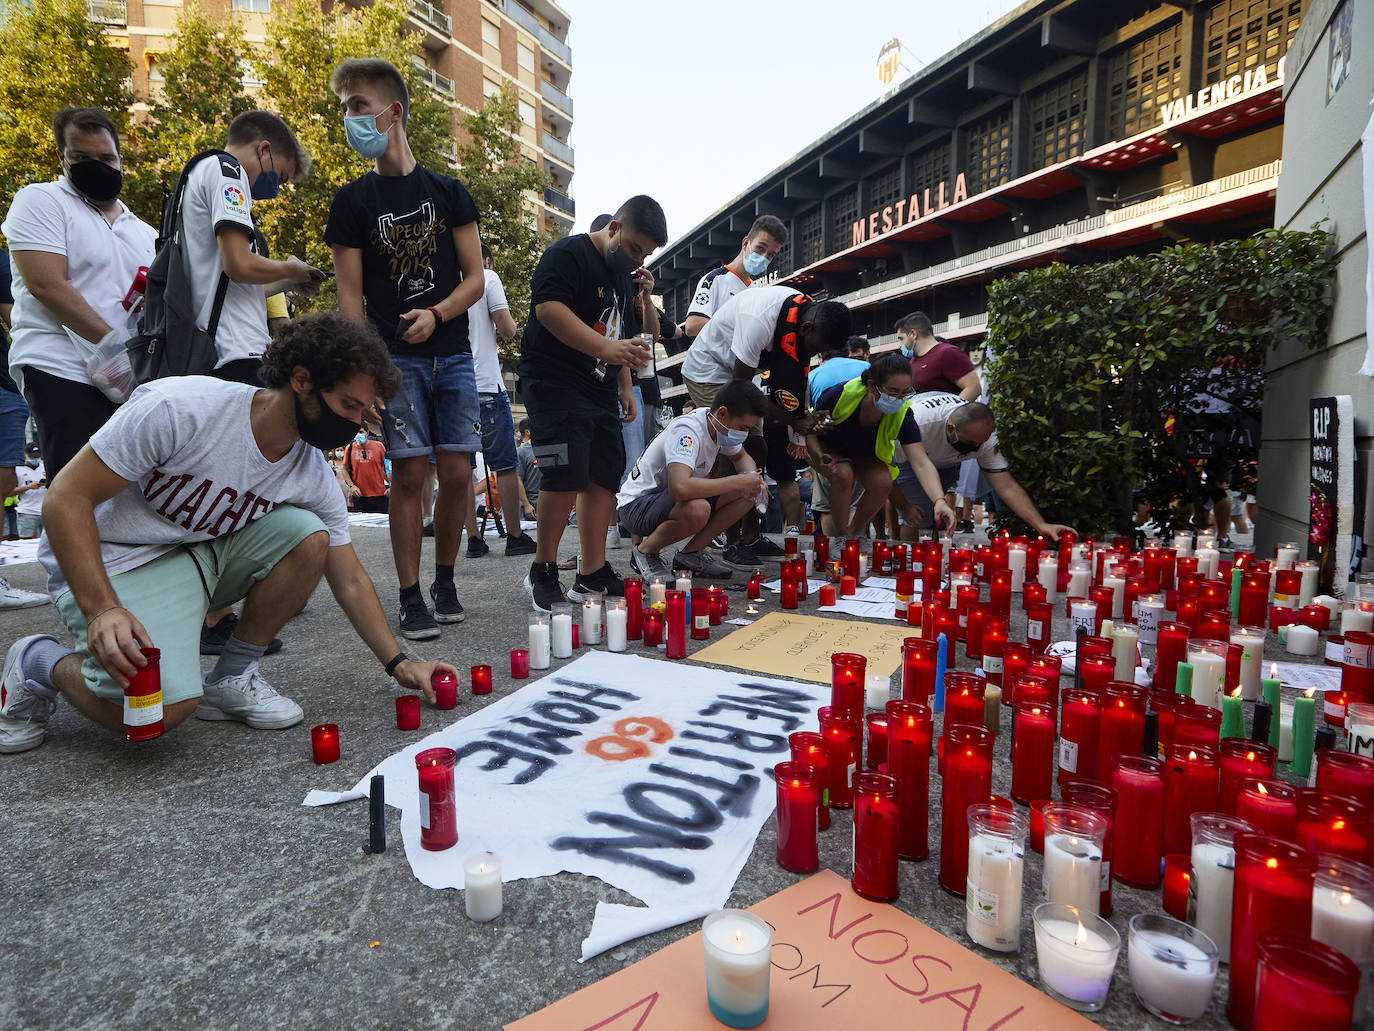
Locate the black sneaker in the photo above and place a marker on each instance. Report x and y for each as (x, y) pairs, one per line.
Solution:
(447, 607)
(427, 529)
(478, 547)
(416, 622)
(522, 545)
(214, 638)
(599, 584)
(964, 526)
(763, 547)
(740, 554)
(543, 586)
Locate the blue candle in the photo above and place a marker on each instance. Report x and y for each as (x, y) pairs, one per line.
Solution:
(941, 656)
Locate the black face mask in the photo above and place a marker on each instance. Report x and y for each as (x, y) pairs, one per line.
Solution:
(964, 447)
(620, 262)
(96, 180)
(329, 431)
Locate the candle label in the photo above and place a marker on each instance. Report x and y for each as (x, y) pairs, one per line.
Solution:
(1035, 629)
(424, 809)
(1334, 709)
(983, 905)
(992, 664)
(140, 710)
(1068, 755)
(1361, 656)
(1104, 876)
(701, 622)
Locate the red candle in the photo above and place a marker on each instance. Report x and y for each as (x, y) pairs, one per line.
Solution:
(1032, 592)
(1050, 667)
(809, 749)
(481, 679)
(324, 743)
(790, 593)
(847, 682)
(1331, 823)
(1038, 627)
(946, 622)
(973, 631)
(848, 585)
(634, 610)
(701, 613)
(994, 643)
(1031, 687)
(1103, 597)
(445, 689)
(1037, 824)
(718, 606)
(1270, 805)
(963, 700)
(789, 544)
(1357, 671)
(1078, 735)
(1166, 707)
(143, 700)
(798, 794)
(827, 595)
(1096, 671)
(799, 575)
(967, 780)
(875, 836)
(843, 745)
(1121, 729)
(918, 668)
(908, 761)
(675, 622)
(964, 598)
(1192, 778)
(1177, 873)
(999, 592)
(1101, 800)
(875, 751)
(1139, 784)
(1215, 625)
(1187, 612)
(651, 628)
(1032, 752)
(1254, 597)
(576, 635)
(1280, 615)
(753, 588)
(1171, 648)
(1301, 983)
(407, 716)
(1016, 659)
(915, 614)
(438, 810)
(849, 560)
(821, 546)
(1240, 759)
(1198, 725)
(1345, 773)
(1318, 617)
(1272, 895)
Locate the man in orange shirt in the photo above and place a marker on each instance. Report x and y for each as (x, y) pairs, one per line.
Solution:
(364, 474)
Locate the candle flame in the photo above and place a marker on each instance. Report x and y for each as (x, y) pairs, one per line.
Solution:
(1308, 693)
(1339, 825)
(1261, 787)
(1272, 864)
(1273, 671)
(1346, 899)
(1192, 754)
(1080, 936)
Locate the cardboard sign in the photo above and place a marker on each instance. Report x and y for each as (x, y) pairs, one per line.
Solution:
(789, 645)
(1331, 519)
(839, 961)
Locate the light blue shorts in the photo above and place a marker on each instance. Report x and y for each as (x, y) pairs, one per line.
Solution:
(436, 408)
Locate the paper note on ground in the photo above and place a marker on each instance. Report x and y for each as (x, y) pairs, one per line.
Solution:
(789, 645)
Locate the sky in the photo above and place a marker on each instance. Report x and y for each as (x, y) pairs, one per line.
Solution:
(692, 103)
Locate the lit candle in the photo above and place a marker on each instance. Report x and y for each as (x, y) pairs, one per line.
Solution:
(1139, 784)
(617, 623)
(481, 679)
(1082, 614)
(658, 589)
(1016, 563)
(1072, 871)
(1048, 576)
(1172, 966)
(875, 836)
(482, 886)
(324, 743)
(1304, 983)
(634, 608)
(1232, 716)
(798, 790)
(519, 663)
(847, 670)
(1343, 916)
(1270, 805)
(908, 761)
(407, 712)
(539, 641)
(1076, 953)
(841, 730)
(561, 632)
(967, 780)
(1118, 586)
(737, 946)
(996, 857)
(438, 813)
(445, 690)
(1211, 876)
(701, 613)
(809, 749)
(1032, 752)
(1176, 885)
(591, 621)
(653, 628)
(675, 624)
(875, 691)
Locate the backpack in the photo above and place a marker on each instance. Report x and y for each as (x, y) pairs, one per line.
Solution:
(168, 342)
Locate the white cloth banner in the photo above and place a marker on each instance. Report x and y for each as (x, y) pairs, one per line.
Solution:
(653, 776)
(18, 553)
(1367, 145)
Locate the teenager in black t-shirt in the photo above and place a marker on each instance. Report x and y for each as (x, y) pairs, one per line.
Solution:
(406, 250)
(577, 358)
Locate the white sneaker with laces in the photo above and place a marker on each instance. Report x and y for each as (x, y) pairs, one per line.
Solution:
(14, 598)
(248, 698)
(24, 706)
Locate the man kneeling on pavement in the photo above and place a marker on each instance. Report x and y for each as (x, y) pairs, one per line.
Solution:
(670, 495)
(196, 494)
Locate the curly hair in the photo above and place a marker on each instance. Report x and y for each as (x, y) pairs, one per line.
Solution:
(332, 347)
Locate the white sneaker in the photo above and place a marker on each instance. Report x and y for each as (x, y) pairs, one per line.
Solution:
(14, 598)
(248, 698)
(24, 705)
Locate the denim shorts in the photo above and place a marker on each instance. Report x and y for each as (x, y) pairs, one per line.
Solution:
(498, 432)
(14, 413)
(436, 408)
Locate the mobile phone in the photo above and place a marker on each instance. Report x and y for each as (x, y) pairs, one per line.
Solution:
(320, 275)
(402, 325)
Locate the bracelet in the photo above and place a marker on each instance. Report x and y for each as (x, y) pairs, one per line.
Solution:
(438, 315)
(391, 666)
(102, 612)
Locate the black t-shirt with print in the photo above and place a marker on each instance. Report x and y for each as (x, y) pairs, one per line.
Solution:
(404, 227)
(852, 438)
(573, 272)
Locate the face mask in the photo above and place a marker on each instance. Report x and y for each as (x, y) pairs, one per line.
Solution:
(96, 180)
(756, 264)
(361, 438)
(726, 437)
(363, 135)
(331, 430)
(32, 463)
(267, 185)
(620, 262)
(889, 405)
(907, 352)
(964, 447)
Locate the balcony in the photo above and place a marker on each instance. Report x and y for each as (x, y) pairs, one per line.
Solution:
(551, 43)
(556, 97)
(561, 201)
(556, 148)
(440, 84)
(108, 12)
(438, 25)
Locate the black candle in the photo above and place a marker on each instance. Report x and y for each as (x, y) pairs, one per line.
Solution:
(376, 815)
(1150, 742)
(1259, 731)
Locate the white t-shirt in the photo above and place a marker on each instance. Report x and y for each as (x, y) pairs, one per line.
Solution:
(714, 289)
(486, 363)
(31, 501)
(742, 328)
(102, 259)
(687, 440)
(217, 195)
(187, 444)
(931, 411)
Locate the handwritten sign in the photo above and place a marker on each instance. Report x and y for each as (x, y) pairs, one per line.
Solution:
(800, 646)
(839, 961)
(653, 776)
(1331, 517)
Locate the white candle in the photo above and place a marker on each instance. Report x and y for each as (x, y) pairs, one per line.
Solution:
(539, 645)
(1211, 881)
(1080, 579)
(591, 621)
(1206, 540)
(482, 886)
(1285, 556)
(993, 902)
(1124, 640)
(1183, 544)
(1118, 586)
(1302, 640)
(1208, 562)
(1016, 562)
(1332, 605)
(1285, 732)
(1343, 922)
(1209, 677)
(1149, 610)
(561, 635)
(876, 691)
(1076, 962)
(616, 617)
(1082, 614)
(684, 583)
(1048, 575)
(1251, 640)
(737, 946)
(1169, 974)
(1308, 590)
(1072, 872)
(658, 592)
(1357, 617)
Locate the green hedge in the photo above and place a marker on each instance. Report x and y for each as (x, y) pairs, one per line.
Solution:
(1095, 371)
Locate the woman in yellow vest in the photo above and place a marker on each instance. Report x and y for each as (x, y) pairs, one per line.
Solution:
(872, 418)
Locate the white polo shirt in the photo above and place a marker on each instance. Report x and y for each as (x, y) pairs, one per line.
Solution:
(687, 440)
(743, 327)
(715, 288)
(102, 259)
(486, 361)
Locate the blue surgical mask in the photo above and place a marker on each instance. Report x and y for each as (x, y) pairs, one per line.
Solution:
(907, 352)
(756, 264)
(268, 184)
(727, 437)
(361, 438)
(889, 405)
(363, 135)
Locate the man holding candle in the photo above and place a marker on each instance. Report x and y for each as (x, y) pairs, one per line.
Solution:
(196, 494)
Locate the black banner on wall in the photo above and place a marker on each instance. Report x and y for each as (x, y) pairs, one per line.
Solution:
(1331, 516)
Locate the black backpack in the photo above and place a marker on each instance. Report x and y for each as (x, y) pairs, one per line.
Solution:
(168, 342)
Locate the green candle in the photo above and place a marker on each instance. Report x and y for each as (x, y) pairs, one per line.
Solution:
(1183, 679)
(1304, 719)
(1236, 574)
(1270, 687)
(1232, 716)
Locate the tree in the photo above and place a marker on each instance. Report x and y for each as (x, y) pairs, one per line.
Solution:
(499, 176)
(53, 55)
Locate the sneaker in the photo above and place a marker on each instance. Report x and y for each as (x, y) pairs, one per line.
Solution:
(248, 698)
(24, 705)
(214, 638)
(542, 584)
(427, 528)
(599, 584)
(522, 545)
(447, 607)
(763, 547)
(647, 565)
(964, 526)
(416, 622)
(477, 547)
(14, 598)
(613, 539)
(740, 554)
(702, 564)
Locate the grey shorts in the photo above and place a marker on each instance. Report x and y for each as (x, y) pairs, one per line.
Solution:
(648, 512)
(911, 489)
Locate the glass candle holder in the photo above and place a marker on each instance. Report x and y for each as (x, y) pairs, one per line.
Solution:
(1078, 735)
(996, 860)
(1302, 983)
(905, 591)
(445, 690)
(618, 624)
(634, 608)
(875, 836)
(1149, 614)
(1343, 918)
(1171, 648)
(1032, 752)
(993, 648)
(1211, 876)
(561, 626)
(1271, 805)
(1345, 773)
(798, 789)
(809, 749)
(1096, 671)
(876, 737)
(438, 811)
(737, 945)
(652, 628)
(675, 624)
(1251, 639)
(1192, 779)
(519, 663)
(480, 679)
(408, 712)
(1241, 759)
(843, 742)
(963, 699)
(1103, 801)
(1076, 953)
(324, 743)
(1334, 824)
(967, 780)
(1197, 726)
(1173, 967)
(973, 632)
(1273, 895)
(1039, 620)
(1072, 872)
(918, 668)
(701, 613)
(539, 640)
(1121, 728)
(1176, 877)
(908, 762)
(847, 671)
(1139, 784)
(1208, 659)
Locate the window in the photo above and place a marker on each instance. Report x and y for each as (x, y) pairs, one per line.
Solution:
(885, 188)
(1058, 120)
(526, 112)
(811, 245)
(249, 76)
(491, 34)
(989, 151)
(1142, 78)
(844, 212)
(929, 168)
(490, 89)
(524, 57)
(1245, 33)
(255, 6)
